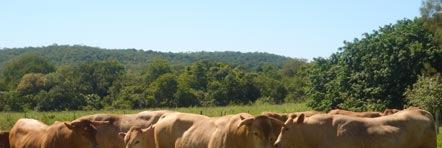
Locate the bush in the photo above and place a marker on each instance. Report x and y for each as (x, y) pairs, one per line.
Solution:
(426, 93)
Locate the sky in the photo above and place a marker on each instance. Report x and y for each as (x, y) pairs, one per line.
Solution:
(293, 28)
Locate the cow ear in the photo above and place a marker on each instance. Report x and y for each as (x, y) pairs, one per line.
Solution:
(276, 121)
(245, 121)
(300, 118)
(75, 123)
(69, 125)
(121, 135)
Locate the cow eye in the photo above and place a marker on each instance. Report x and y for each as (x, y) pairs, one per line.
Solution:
(286, 129)
(256, 133)
(136, 142)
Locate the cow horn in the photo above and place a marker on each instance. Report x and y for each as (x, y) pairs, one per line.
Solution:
(100, 122)
(147, 129)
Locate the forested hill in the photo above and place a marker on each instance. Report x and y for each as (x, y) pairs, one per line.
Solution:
(67, 54)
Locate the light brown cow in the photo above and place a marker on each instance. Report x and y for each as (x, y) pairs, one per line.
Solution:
(232, 131)
(108, 136)
(30, 133)
(170, 128)
(4, 139)
(137, 137)
(355, 114)
(407, 128)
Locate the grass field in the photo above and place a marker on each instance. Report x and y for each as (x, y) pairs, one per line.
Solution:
(439, 138)
(7, 119)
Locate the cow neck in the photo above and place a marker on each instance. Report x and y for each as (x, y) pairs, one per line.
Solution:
(58, 134)
(238, 135)
(310, 134)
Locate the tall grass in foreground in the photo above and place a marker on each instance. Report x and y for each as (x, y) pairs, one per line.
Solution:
(8, 119)
(439, 138)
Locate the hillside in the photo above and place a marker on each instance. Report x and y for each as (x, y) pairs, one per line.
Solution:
(67, 54)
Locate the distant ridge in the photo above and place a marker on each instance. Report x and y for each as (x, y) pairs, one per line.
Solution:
(71, 54)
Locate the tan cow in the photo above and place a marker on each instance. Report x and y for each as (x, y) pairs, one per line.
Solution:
(355, 114)
(170, 128)
(108, 136)
(405, 129)
(30, 133)
(137, 137)
(232, 131)
(4, 139)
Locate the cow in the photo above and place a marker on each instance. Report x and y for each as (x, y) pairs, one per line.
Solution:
(355, 114)
(407, 128)
(233, 131)
(108, 136)
(138, 137)
(4, 139)
(31, 133)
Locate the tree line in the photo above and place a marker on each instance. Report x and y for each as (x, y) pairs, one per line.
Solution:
(31, 82)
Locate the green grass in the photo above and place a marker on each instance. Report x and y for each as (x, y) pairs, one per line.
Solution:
(8, 119)
(439, 138)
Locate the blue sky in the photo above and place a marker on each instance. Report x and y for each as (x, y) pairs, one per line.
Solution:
(307, 29)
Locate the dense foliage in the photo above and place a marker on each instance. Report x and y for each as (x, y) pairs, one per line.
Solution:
(373, 72)
(98, 84)
(136, 59)
(426, 93)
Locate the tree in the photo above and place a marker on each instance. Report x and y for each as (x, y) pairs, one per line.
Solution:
(99, 76)
(163, 90)
(293, 66)
(426, 92)
(432, 16)
(430, 8)
(29, 63)
(198, 75)
(374, 69)
(157, 68)
(63, 93)
(31, 83)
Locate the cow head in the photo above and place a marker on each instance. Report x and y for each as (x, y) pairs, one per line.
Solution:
(291, 135)
(137, 137)
(260, 130)
(84, 131)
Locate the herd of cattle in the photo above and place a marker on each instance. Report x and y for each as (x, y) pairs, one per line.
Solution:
(408, 128)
